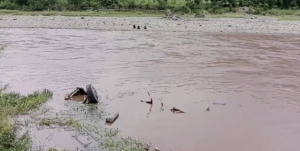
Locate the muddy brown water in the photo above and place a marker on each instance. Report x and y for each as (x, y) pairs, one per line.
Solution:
(257, 76)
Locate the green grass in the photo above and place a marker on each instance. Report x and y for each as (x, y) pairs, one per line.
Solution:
(53, 149)
(278, 12)
(290, 15)
(84, 13)
(227, 15)
(289, 18)
(47, 122)
(72, 123)
(113, 142)
(61, 122)
(12, 104)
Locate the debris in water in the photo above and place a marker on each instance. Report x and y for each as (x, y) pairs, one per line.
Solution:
(161, 108)
(88, 96)
(162, 105)
(138, 27)
(145, 27)
(175, 110)
(156, 149)
(215, 103)
(77, 92)
(149, 102)
(134, 26)
(92, 94)
(208, 109)
(112, 118)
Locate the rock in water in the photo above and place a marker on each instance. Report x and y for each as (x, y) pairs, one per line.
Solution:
(112, 118)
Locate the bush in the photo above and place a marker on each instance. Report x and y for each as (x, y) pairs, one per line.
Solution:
(7, 4)
(186, 6)
(109, 3)
(37, 4)
(162, 4)
(132, 4)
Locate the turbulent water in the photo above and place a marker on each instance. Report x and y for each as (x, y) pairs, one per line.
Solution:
(256, 76)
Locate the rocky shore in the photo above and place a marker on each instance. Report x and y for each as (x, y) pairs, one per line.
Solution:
(227, 25)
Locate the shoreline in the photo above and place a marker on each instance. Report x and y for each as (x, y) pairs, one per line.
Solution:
(260, 24)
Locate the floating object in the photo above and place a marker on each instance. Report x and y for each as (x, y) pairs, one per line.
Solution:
(145, 27)
(138, 27)
(215, 103)
(175, 110)
(134, 26)
(112, 118)
(156, 149)
(208, 109)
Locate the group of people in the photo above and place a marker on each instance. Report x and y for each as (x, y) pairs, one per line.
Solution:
(138, 27)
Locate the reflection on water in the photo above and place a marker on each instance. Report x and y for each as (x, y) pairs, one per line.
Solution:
(257, 76)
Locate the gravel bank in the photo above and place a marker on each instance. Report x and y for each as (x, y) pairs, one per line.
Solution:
(241, 25)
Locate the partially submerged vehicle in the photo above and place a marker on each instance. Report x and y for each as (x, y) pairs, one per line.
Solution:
(88, 96)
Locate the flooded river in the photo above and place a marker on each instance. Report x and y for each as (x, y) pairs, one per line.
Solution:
(256, 76)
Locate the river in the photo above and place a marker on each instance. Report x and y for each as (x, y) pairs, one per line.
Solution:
(257, 76)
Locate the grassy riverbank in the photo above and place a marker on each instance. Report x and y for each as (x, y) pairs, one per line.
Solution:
(279, 14)
(83, 13)
(11, 105)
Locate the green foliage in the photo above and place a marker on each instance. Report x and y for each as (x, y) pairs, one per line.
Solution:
(114, 143)
(162, 4)
(277, 12)
(8, 4)
(61, 122)
(72, 123)
(12, 104)
(186, 6)
(47, 122)
(53, 149)
(9, 140)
